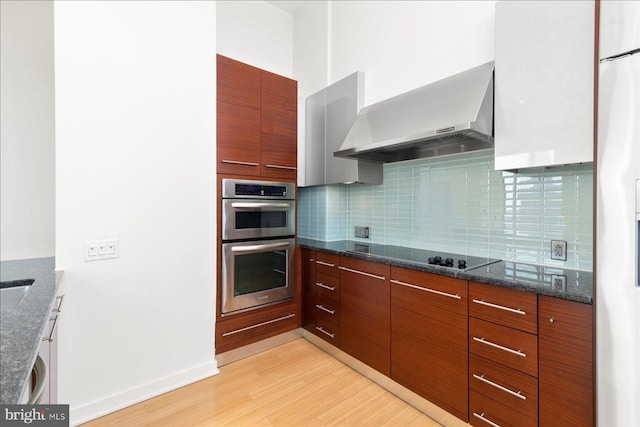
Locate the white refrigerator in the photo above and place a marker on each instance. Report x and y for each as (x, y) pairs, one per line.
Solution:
(617, 216)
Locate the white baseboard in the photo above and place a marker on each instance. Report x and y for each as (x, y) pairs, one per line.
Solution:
(98, 408)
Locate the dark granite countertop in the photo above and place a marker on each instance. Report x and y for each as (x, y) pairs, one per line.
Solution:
(21, 327)
(578, 285)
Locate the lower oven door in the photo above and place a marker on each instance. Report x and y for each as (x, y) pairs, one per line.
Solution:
(257, 273)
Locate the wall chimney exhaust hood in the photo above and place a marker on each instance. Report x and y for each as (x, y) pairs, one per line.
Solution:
(453, 115)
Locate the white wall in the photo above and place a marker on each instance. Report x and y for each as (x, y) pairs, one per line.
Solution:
(135, 133)
(256, 33)
(310, 63)
(398, 45)
(27, 177)
(401, 45)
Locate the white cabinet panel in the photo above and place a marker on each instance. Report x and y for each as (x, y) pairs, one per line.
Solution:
(330, 114)
(619, 27)
(544, 83)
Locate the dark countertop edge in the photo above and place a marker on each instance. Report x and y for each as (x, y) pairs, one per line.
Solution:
(525, 287)
(471, 274)
(21, 329)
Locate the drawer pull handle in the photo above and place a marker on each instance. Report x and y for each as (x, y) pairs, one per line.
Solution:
(420, 288)
(322, 285)
(326, 264)
(501, 307)
(236, 162)
(312, 260)
(551, 320)
(281, 167)
(482, 417)
(58, 309)
(323, 308)
(517, 394)
(498, 346)
(321, 329)
(375, 276)
(288, 316)
(53, 329)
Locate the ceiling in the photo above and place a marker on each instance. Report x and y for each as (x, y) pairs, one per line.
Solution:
(289, 5)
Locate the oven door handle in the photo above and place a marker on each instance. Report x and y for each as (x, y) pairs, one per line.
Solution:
(259, 248)
(259, 205)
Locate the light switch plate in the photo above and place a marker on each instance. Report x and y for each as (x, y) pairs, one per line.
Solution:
(97, 250)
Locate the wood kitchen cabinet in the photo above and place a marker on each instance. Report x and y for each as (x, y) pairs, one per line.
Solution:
(321, 295)
(256, 122)
(238, 122)
(365, 320)
(488, 355)
(503, 352)
(566, 363)
(255, 325)
(278, 127)
(429, 349)
(308, 277)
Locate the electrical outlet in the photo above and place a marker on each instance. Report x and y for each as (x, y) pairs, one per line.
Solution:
(559, 250)
(97, 250)
(362, 232)
(558, 282)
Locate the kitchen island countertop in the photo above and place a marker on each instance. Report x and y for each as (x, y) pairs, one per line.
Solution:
(558, 282)
(21, 327)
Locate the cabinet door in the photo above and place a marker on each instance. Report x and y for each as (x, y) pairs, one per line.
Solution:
(238, 118)
(565, 336)
(365, 312)
(279, 130)
(238, 139)
(544, 71)
(429, 348)
(309, 289)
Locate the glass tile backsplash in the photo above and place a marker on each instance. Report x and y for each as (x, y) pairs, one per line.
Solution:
(460, 204)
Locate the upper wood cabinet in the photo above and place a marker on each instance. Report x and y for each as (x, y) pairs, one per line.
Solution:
(279, 127)
(256, 122)
(544, 92)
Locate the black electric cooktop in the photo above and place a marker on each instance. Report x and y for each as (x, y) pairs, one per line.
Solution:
(424, 256)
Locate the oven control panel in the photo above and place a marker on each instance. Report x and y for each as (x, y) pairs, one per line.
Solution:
(238, 189)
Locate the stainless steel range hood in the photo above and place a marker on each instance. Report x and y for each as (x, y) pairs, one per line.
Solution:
(452, 115)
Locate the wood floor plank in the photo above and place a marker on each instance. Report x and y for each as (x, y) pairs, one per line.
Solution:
(295, 384)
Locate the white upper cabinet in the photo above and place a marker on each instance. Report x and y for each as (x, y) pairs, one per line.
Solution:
(619, 27)
(544, 83)
(330, 114)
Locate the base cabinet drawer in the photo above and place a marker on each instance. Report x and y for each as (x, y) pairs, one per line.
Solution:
(515, 349)
(327, 311)
(328, 287)
(514, 389)
(485, 412)
(328, 331)
(327, 263)
(508, 307)
(239, 331)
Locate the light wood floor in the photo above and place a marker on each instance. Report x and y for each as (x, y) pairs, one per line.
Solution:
(295, 384)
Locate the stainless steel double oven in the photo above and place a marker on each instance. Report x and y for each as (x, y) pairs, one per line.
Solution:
(258, 228)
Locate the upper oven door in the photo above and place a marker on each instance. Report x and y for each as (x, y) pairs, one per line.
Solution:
(256, 218)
